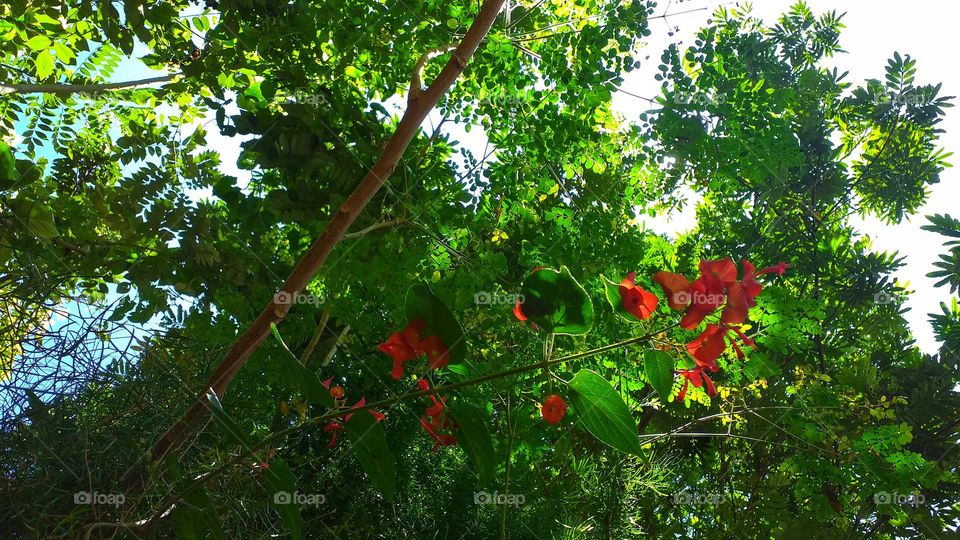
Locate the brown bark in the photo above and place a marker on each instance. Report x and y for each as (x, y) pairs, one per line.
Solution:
(419, 105)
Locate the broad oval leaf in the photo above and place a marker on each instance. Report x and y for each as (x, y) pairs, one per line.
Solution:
(369, 443)
(39, 43)
(475, 439)
(659, 366)
(41, 222)
(603, 412)
(44, 63)
(438, 320)
(556, 302)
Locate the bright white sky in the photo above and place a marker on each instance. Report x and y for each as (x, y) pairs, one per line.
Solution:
(874, 30)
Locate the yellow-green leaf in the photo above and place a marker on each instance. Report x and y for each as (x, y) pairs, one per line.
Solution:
(43, 64)
(39, 43)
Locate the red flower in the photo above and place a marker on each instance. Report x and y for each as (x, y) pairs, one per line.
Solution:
(336, 392)
(711, 343)
(439, 439)
(518, 313)
(697, 376)
(639, 302)
(553, 409)
(412, 334)
(334, 427)
(708, 346)
(435, 419)
(708, 292)
(741, 296)
(404, 346)
(675, 287)
(718, 274)
(717, 284)
(436, 410)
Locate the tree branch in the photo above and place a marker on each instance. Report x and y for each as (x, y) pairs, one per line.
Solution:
(68, 89)
(321, 326)
(363, 232)
(416, 78)
(313, 259)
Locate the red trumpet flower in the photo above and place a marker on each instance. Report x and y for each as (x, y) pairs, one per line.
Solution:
(435, 419)
(409, 343)
(636, 300)
(698, 376)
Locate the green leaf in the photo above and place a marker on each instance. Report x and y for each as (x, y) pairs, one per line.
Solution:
(369, 443)
(268, 89)
(44, 64)
(438, 320)
(659, 366)
(39, 43)
(64, 53)
(475, 439)
(302, 377)
(602, 411)
(612, 292)
(556, 302)
(41, 223)
(283, 484)
(8, 170)
(253, 91)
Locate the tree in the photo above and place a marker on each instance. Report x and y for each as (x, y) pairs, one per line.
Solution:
(568, 372)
